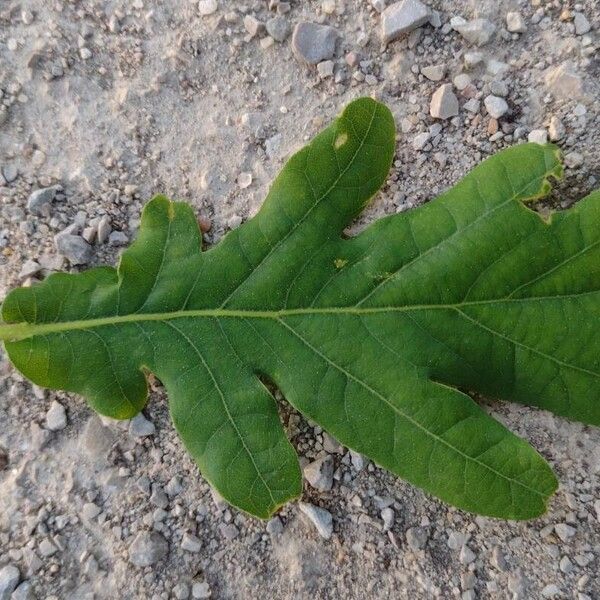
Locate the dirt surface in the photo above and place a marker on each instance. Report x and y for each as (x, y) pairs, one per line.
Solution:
(117, 100)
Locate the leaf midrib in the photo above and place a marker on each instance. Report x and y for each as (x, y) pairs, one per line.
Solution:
(13, 332)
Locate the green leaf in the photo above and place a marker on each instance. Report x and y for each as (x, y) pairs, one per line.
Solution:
(370, 337)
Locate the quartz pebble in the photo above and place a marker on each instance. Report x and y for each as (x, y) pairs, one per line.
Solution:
(515, 22)
(313, 43)
(401, 18)
(147, 548)
(538, 136)
(207, 7)
(201, 591)
(444, 103)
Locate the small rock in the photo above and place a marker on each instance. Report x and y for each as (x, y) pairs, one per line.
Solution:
(244, 180)
(253, 26)
(515, 22)
(139, 426)
(47, 548)
(538, 136)
(207, 7)
(416, 537)
(564, 532)
(117, 238)
(147, 548)
(190, 543)
(387, 516)
(181, 591)
(73, 247)
(319, 517)
(496, 106)
(9, 577)
(278, 28)
(582, 25)
(85, 53)
(401, 18)
(39, 201)
(566, 566)
(201, 591)
(434, 72)
(498, 559)
(90, 511)
(158, 496)
(56, 417)
(573, 159)
(104, 229)
(319, 473)
(313, 43)
(461, 81)
(229, 531)
(275, 526)
(551, 591)
(477, 32)
(10, 173)
(325, 69)
(498, 88)
(420, 140)
(23, 592)
(473, 105)
(466, 556)
(29, 269)
(456, 540)
(444, 104)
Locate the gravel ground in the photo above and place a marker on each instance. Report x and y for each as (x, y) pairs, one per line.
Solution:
(107, 102)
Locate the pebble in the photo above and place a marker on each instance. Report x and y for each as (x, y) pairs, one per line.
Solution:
(207, 7)
(244, 180)
(190, 543)
(319, 473)
(573, 160)
(582, 25)
(515, 22)
(319, 517)
(103, 230)
(181, 591)
(74, 248)
(420, 140)
(456, 540)
(90, 511)
(275, 526)
(139, 426)
(498, 88)
(229, 531)
(10, 173)
(147, 548)
(85, 53)
(24, 591)
(56, 417)
(325, 69)
(434, 72)
(473, 105)
(29, 269)
(201, 591)
(159, 497)
(416, 537)
(538, 136)
(39, 201)
(498, 559)
(564, 532)
(278, 28)
(9, 577)
(387, 516)
(118, 238)
(253, 25)
(477, 32)
(313, 43)
(566, 566)
(461, 81)
(47, 548)
(551, 591)
(401, 18)
(466, 556)
(444, 104)
(496, 106)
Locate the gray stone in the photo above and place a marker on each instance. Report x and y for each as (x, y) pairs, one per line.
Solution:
(564, 532)
(275, 526)
(582, 25)
(29, 268)
(104, 229)
(473, 105)
(47, 548)
(319, 517)
(74, 248)
(9, 577)
(10, 173)
(420, 140)
(444, 103)
(158, 496)
(23, 592)
(387, 516)
(498, 559)
(515, 22)
(229, 531)
(401, 18)
(498, 88)
(181, 591)
(139, 426)
(201, 591)
(466, 556)
(319, 473)
(416, 537)
(147, 548)
(278, 28)
(118, 238)
(253, 25)
(39, 201)
(90, 511)
(551, 591)
(190, 543)
(461, 81)
(434, 72)
(313, 43)
(477, 32)
(56, 417)
(496, 106)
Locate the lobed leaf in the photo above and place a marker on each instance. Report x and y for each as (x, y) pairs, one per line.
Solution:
(371, 337)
